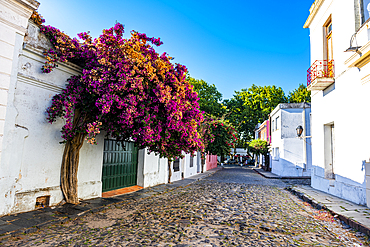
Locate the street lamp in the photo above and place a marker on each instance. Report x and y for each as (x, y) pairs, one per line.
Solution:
(299, 130)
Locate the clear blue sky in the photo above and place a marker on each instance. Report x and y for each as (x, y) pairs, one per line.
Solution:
(232, 44)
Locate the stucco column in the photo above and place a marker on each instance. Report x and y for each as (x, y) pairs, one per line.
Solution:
(14, 16)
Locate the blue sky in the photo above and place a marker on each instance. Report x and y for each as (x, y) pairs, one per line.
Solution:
(232, 44)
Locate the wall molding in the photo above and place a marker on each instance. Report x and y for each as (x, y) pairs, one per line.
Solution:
(38, 83)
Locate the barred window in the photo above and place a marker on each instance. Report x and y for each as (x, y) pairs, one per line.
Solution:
(176, 165)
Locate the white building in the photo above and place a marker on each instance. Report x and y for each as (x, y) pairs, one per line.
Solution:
(30, 153)
(340, 86)
(290, 156)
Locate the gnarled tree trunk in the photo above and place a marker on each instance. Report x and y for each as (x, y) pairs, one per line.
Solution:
(70, 161)
(68, 174)
(169, 171)
(203, 161)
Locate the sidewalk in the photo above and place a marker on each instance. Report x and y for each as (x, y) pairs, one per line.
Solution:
(274, 176)
(32, 221)
(356, 216)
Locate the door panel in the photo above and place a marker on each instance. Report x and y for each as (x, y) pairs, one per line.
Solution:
(119, 165)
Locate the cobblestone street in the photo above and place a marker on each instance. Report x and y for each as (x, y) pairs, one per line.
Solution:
(234, 207)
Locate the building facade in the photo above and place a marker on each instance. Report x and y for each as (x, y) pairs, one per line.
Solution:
(339, 80)
(290, 156)
(262, 132)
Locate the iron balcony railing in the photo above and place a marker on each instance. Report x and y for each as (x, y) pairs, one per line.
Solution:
(320, 69)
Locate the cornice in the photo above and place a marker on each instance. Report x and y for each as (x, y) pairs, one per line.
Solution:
(39, 83)
(362, 61)
(31, 4)
(20, 29)
(360, 58)
(21, 7)
(313, 11)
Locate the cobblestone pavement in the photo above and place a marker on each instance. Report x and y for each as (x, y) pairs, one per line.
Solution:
(235, 206)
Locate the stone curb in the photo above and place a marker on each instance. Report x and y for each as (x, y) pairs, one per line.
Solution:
(352, 223)
(275, 176)
(107, 203)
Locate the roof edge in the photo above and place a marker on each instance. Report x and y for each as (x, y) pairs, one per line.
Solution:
(313, 11)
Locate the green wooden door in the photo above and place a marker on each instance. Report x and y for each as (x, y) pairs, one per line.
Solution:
(119, 165)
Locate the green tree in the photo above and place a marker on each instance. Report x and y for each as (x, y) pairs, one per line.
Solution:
(251, 106)
(210, 99)
(224, 138)
(301, 94)
(258, 147)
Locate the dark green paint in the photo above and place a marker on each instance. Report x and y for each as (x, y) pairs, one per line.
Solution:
(119, 165)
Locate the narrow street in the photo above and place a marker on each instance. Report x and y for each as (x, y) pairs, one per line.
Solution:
(234, 207)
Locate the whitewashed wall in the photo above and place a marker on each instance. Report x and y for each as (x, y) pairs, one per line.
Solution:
(190, 171)
(152, 170)
(345, 104)
(31, 153)
(290, 160)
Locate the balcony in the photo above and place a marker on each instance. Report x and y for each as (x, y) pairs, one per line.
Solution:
(320, 75)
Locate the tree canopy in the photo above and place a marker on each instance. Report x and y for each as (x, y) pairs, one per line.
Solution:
(301, 94)
(251, 106)
(210, 99)
(127, 90)
(258, 146)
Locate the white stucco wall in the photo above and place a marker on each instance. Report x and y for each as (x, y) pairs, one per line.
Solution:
(177, 175)
(13, 26)
(31, 153)
(345, 105)
(290, 160)
(152, 170)
(190, 171)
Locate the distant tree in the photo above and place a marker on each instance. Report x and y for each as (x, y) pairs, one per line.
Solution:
(224, 138)
(210, 99)
(258, 147)
(251, 106)
(301, 94)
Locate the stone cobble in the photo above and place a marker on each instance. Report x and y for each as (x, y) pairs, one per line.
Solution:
(234, 207)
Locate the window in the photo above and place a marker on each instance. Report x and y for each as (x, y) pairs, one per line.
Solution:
(329, 150)
(277, 123)
(328, 40)
(365, 11)
(191, 161)
(275, 154)
(176, 165)
(273, 125)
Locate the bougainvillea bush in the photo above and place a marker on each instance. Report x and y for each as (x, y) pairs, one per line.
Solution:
(127, 90)
(219, 136)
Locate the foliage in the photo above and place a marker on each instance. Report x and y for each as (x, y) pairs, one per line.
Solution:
(301, 94)
(126, 89)
(37, 18)
(220, 136)
(258, 146)
(251, 106)
(209, 97)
